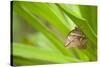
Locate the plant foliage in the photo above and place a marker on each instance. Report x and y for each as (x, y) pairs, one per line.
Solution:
(40, 29)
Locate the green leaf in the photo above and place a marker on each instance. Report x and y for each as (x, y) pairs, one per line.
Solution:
(90, 13)
(40, 54)
(50, 12)
(82, 23)
(36, 23)
(80, 54)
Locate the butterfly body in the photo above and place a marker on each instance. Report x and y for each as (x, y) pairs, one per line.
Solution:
(76, 39)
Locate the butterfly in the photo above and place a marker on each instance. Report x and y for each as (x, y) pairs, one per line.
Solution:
(76, 39)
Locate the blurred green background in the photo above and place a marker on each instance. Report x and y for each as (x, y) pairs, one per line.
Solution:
(40, 29)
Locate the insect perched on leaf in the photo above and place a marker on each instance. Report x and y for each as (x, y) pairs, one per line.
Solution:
(76, 39)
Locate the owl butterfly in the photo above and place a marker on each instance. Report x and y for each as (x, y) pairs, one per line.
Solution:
(76, 39)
